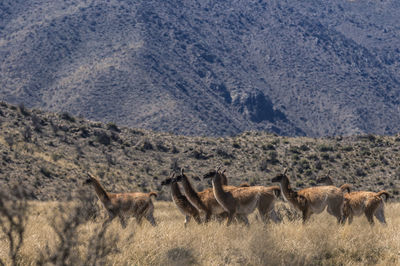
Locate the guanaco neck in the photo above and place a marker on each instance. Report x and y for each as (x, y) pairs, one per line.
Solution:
(101, 193)
(288, 193)
(220, 194)
(192, 194)
(175, 191)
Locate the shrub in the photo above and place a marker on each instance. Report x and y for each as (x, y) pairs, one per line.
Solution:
(347, 148)
(273, 157)
(84, 132)
(325, 148)
(304, 164)
(295, 150)
(55, 157)
(383, 159)
(318, 165)
(174, 166)
(161, 147)
(23, 110)
(268, 147)
(224, 154)
(66, 223)
(199, 155)
(103, 138)
(27, 134)
(45, 171)
(146, 145)
(263, 165)
(360, 172)
(304, 147)
(236, 145)
(364, 151)
(175, 149)
(113, 127)
(13, 220)
(325, 156)
(66, 116)
(10, 140)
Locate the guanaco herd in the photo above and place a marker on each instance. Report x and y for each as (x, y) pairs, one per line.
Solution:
(231, 203)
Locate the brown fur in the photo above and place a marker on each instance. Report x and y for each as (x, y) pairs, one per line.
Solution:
(369, 203)
(123, 205)
(184, 206)
(242, 200)
(314, 199)
(205, 201)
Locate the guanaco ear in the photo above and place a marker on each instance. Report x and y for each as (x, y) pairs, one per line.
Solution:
(182, 170)
(218, 168)
(285, 171)
(223, 172)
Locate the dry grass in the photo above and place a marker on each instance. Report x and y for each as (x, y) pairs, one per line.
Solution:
(320, 242)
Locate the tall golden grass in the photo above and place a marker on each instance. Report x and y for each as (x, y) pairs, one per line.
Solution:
(319, 242)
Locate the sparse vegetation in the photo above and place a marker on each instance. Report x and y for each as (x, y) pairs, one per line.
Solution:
(61, 156)
(321, 241)
(54, 160)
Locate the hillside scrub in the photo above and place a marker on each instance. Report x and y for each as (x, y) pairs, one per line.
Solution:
(50, 154)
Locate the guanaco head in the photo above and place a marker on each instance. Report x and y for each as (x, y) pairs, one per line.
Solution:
(221, 174)
(180, 177)
(169, 180)
(210, 174)
(325, 180)
(280, 177)
(90, 179)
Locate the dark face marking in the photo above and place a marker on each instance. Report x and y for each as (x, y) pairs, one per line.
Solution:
(210, 174)
(278, 178)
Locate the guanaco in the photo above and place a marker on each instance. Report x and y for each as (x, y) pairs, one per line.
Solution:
(124, 205)
(367, 202)
(358, 202)
(243, 200)
(180, 200)
(314, 199)
(205, 201)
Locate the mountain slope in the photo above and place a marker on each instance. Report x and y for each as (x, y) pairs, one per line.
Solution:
(51, 154)
(293, 68)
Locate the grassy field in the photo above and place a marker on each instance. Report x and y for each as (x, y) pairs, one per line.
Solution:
(51, 154)
(320, 242)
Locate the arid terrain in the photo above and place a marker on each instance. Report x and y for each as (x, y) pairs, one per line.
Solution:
(51, 154)
(294, 68)
(320, 242)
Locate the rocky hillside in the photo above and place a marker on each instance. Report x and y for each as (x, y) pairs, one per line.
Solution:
(50, 154)
(315, 68)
